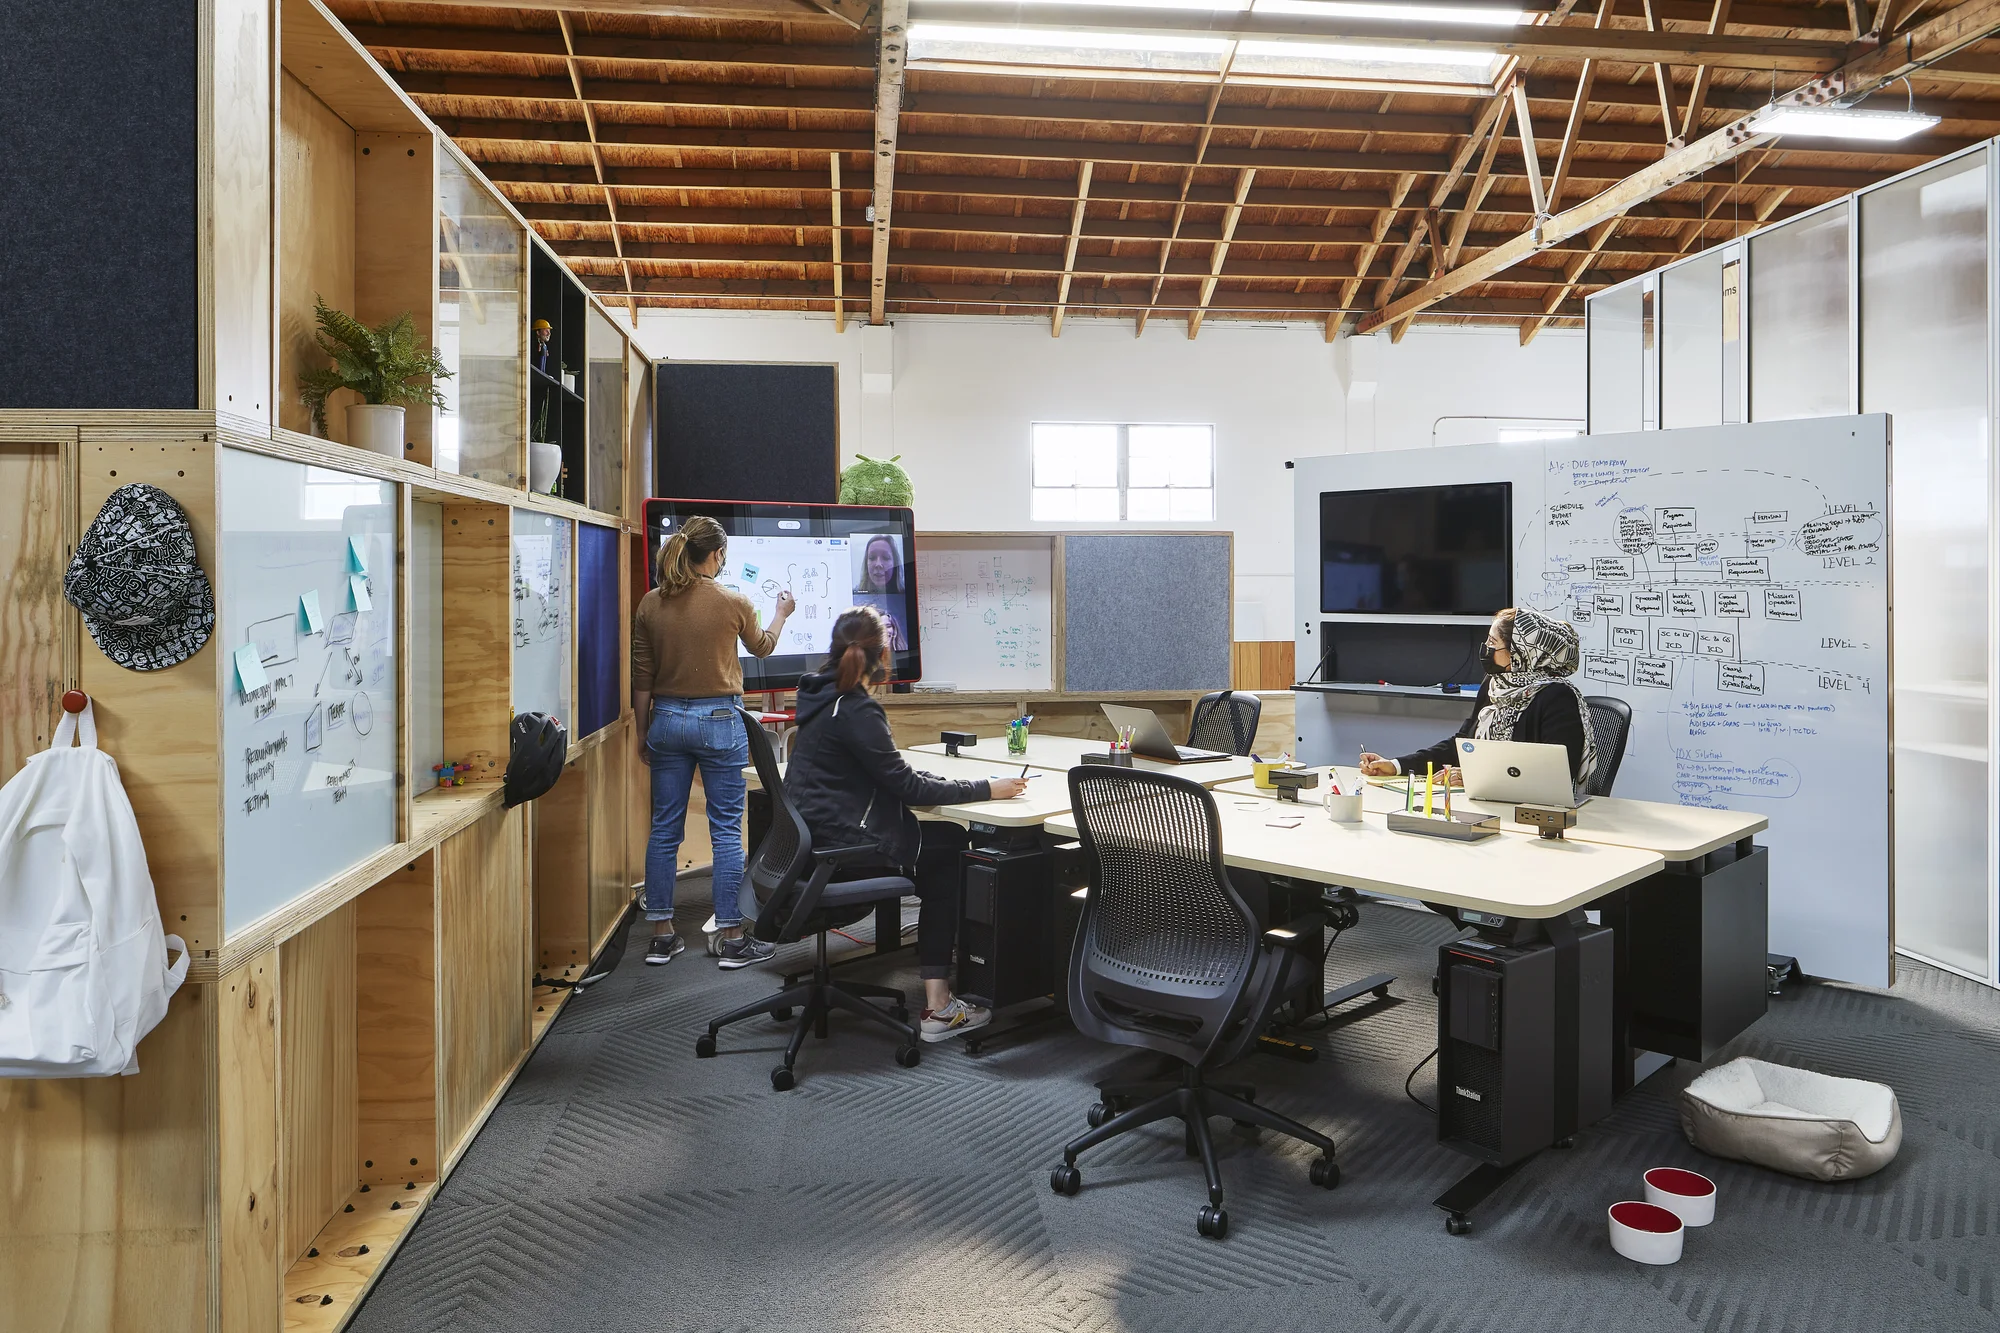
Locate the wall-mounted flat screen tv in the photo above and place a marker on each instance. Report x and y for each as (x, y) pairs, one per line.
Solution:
(1417, 550)
(829, 557)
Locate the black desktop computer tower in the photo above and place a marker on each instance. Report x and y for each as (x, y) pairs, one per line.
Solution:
(1006, 929)
(1502, 1049)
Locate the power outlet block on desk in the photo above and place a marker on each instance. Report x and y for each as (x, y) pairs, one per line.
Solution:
(1006, 927)
(1500, 1040)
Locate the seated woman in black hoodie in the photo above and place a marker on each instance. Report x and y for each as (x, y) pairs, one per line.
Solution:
(1526, 696)
(852, 788)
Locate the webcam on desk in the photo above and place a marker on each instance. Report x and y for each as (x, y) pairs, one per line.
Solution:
(953, 739)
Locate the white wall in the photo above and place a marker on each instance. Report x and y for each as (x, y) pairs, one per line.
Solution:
(965, 390)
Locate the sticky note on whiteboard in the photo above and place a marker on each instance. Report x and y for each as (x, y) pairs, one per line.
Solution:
(358, 556)
(250, 670)
(309, 611)
(358, 585)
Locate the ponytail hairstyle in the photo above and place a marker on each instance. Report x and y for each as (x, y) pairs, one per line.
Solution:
(859, 651)
(699, 538)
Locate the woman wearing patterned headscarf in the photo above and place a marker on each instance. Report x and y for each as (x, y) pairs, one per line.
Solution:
(1526, 696)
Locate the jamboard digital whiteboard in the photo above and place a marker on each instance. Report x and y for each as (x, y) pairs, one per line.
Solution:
(542, 639)
(307, 621)
(985, 609)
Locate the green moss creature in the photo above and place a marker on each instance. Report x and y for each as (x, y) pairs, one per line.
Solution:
(870, 481)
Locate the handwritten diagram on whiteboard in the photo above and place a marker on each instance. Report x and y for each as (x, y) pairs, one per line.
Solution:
(1731, 585)
(815, 570)
(541, 558)
(308, 628)
(984, 607)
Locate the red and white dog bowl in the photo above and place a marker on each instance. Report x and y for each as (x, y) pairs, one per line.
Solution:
(1688, 1195)
(1645, 1232)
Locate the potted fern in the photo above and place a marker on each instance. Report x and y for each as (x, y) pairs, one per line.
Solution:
(386, 365)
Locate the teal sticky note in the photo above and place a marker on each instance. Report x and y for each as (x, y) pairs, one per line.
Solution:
(358, 585)
(250, 670)
(309, 608)
(358, 556)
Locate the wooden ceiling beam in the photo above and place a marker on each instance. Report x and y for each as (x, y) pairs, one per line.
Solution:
(773, 11)
(670, 51)
(1526, 41)
(1219, 256)
(891, 52)
(1083, 174)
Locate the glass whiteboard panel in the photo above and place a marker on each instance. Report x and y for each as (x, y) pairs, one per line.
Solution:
(542, 616)
(307, 611)
(426, 644)
(482, 332)
(1691, 343)
(1799, 318)
(606, 461)
(1924, 361)
(1617, 360)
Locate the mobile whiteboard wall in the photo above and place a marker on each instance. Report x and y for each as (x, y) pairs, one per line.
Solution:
(307, 624)
(985, 608)
(542, 618)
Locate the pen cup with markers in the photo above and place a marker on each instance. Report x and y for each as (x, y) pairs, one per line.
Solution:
(1017, 736)
(1343, 796)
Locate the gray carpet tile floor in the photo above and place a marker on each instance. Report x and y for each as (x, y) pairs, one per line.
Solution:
(622, 1184)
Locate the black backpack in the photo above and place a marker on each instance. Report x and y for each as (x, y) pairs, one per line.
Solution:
(536, 751)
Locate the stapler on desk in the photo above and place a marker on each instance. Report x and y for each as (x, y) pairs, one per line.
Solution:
(1290, 782)
(953, 739)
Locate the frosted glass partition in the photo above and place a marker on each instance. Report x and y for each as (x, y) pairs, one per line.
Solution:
(1617, 360)
(426, 644)
(482, 333)
(1924, 360)
(543, 655)
(606, 463)
(1691, 343)
(1799, 332)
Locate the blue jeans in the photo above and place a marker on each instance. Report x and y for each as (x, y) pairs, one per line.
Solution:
(687, 734)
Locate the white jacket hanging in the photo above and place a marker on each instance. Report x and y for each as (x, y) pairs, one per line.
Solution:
(83, 961)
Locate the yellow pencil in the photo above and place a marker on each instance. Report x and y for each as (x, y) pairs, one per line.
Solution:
(1430, 775)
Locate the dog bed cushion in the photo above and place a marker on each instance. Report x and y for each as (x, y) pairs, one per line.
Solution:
(1793, 1120)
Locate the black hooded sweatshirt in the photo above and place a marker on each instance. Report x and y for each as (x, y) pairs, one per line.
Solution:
(847, 781)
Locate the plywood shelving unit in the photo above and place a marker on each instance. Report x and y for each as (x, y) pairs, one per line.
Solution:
(330, 1061)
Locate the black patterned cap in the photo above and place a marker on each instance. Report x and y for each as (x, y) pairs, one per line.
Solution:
(135, 577)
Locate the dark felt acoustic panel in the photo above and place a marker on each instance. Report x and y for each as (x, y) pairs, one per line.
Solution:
(737, 431)
(1146, 611)
(598, 618)
(97, 204)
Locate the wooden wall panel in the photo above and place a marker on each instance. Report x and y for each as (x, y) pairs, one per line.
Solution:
(484, 967)
(395, 265)
(318, 1102)
(238, 137)
(638, 803)
(37, 524)
(1278, 724)
(396, 1038)
(1262, 664)
(610, 882)
(478, 637)
(106, 1183)
(564, 835)
(251, 1220)
(162, 726)
(316, 156)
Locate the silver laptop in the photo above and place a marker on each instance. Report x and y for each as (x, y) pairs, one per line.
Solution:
(1517, 773)
(1150, 738)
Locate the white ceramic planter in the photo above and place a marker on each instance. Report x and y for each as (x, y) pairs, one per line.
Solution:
(569, 380)
(376, 427)
(1688, 1195)
(1645, 1233)
(544, 466)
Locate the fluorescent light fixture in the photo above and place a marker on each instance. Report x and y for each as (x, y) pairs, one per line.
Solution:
(1365, 55)
(1407, 13)
(1833, 122)
(1060, 38)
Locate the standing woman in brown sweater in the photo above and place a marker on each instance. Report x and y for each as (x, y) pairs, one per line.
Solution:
(686, 687)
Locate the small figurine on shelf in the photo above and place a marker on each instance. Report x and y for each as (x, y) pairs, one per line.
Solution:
(453, 774)
(543, 357)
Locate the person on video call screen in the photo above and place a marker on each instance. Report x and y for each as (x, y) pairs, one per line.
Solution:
(881, 566)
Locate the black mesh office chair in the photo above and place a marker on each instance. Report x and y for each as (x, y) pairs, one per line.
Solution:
(1610, 724)
(1226, 720)
(1169, 956)
(790, 881)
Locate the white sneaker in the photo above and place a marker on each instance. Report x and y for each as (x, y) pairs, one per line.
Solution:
(954, 1020)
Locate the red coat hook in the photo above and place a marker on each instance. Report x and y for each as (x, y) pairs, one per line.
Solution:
(75, 701)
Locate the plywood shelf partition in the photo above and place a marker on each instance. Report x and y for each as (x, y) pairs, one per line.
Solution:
(478, 637)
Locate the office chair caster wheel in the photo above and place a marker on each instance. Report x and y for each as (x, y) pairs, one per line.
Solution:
(1325, 1172)
(909, 1057)
(1212, 1222)
(1456, 1224)
(1100, 1113)
(783, 1080)
(704, 1046)
(783, 1013)
(1066, 1179)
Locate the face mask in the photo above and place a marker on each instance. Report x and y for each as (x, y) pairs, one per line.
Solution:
(1486, 662)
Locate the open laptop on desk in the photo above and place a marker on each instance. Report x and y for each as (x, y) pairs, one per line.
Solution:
(1150, 738)
(1517, 773)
